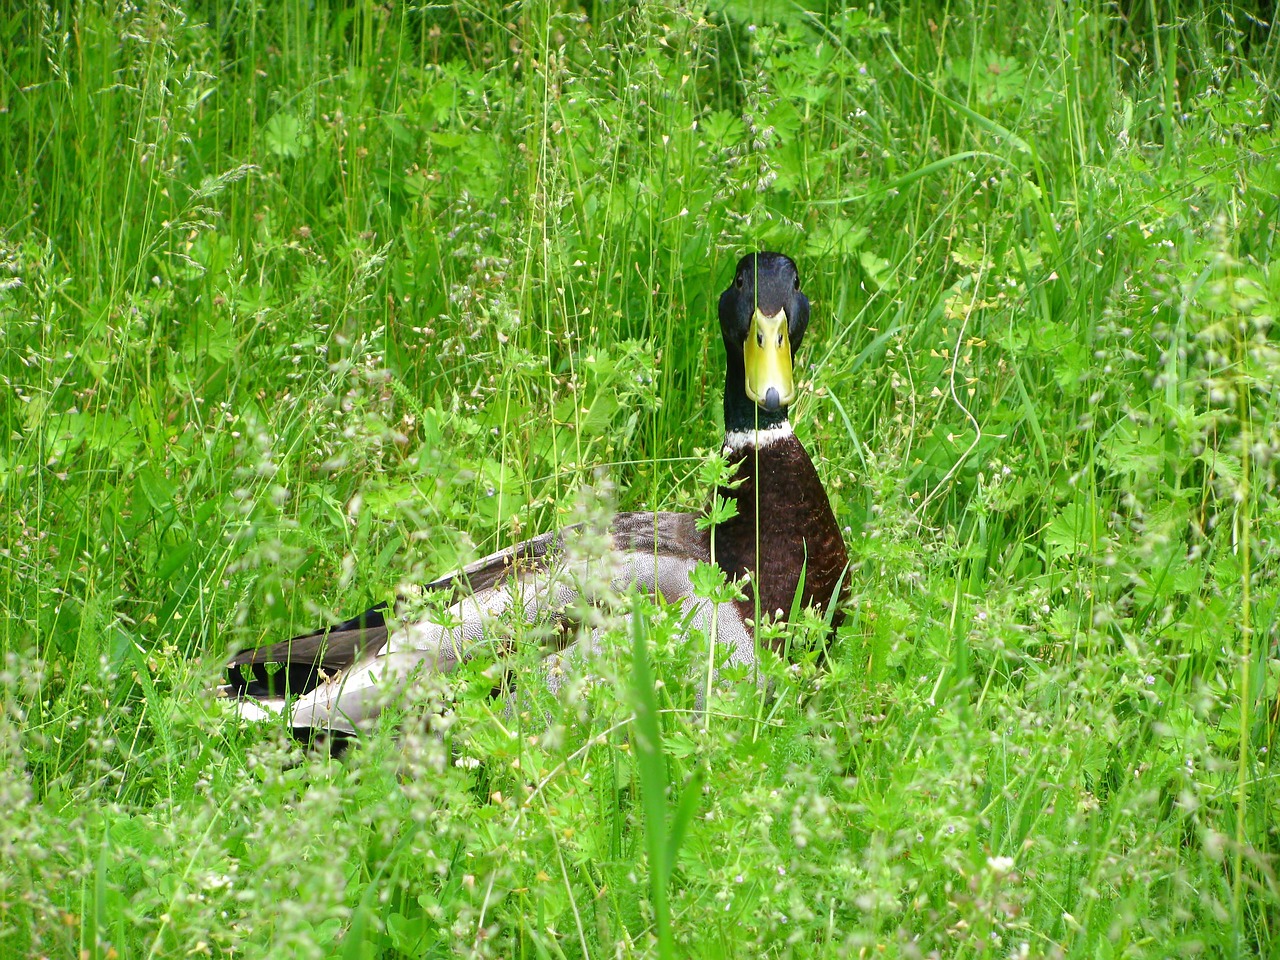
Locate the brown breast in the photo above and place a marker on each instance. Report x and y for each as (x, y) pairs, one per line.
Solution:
(784, 520)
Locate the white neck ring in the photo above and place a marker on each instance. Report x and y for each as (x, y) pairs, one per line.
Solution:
(735, 440)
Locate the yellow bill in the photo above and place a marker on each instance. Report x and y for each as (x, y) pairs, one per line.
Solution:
(767, 356)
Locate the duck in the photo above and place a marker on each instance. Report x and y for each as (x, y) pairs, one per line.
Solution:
(781, 544)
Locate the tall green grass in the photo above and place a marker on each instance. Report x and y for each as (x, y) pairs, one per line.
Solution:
(303, 303)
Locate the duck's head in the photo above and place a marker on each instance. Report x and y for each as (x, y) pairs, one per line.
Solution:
(763, 316)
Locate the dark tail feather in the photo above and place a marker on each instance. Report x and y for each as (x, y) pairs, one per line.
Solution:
(298, 664)
(334, 742)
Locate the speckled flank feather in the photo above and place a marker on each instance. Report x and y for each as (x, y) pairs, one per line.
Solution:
(347, 681)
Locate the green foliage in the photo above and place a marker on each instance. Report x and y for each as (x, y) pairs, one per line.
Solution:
(303, 304)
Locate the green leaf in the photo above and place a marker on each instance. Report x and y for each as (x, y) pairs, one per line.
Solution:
(724, 129)
(720, 510)
(652, 768)
(879, 270)
(156, 487)
(992, 77)
(173, 559)
(838, 237)
(1072, 532)
(710, 582)
(285, 137)
(680, 820)
(448, 141)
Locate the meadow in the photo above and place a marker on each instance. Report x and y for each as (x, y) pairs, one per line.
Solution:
(302, 303)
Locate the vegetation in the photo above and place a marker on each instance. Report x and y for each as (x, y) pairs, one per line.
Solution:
(302, 303)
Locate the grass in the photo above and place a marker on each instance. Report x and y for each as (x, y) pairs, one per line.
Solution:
(301, 303)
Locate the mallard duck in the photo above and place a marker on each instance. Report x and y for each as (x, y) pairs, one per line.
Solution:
(783, 535)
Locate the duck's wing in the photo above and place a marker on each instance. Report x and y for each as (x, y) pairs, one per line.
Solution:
(298, 666)
(303, 663)
(653, 551)
(550, 580)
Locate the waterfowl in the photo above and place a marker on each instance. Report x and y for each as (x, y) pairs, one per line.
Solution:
(783, 538)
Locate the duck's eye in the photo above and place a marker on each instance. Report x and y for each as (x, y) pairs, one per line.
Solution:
(741, 281)
(796, 283)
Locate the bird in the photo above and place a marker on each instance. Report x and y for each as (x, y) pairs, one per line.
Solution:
(781, 540)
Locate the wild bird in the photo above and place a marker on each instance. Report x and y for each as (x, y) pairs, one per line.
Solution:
(783, 538)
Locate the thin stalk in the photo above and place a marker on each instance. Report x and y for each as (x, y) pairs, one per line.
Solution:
(711, 645)
(1246, 651)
